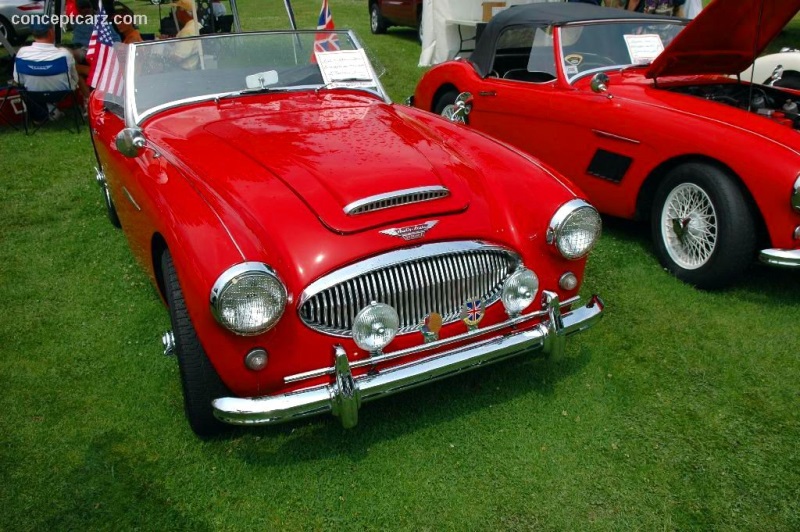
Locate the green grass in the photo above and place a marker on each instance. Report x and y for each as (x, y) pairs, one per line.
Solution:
(678, 411)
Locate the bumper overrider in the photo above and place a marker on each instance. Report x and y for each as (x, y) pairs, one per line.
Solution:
(343, 397)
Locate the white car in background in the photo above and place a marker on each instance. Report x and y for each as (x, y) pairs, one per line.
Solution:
(781, 69)
(11, 13)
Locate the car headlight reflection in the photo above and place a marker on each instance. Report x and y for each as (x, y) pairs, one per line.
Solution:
(519, 291)
(248, 299)
(375, 326)
(796, 195)
(574, 229)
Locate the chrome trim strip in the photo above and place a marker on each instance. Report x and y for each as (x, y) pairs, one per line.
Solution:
(130, 198)
(436, 191)
(547, 337)
(784, 258)
(427, 347)
(608, 135)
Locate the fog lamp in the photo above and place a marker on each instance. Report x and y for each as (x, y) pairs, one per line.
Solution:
(256, 359)
(519, 291)
(375, 326)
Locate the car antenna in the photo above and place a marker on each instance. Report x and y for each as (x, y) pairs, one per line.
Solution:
(755, 47)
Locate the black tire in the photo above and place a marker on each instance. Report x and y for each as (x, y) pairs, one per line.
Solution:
(201, 383)
(111, 210)
(377, 24)
(7, 30)
(703, 229)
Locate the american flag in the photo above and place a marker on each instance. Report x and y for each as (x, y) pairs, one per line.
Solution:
(105, 73)
(325, 42)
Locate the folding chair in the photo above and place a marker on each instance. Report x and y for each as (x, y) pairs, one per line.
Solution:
(38, 102)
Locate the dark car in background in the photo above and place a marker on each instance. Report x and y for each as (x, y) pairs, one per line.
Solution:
(386, 13)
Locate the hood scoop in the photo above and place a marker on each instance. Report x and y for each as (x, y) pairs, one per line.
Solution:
(395, 199)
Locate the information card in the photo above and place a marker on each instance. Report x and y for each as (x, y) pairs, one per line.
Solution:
(643, 49)
(346, 68)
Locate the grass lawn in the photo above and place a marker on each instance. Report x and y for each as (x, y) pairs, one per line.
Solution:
(680, 410)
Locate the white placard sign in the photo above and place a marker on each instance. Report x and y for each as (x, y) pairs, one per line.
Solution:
(643, 49)
(346, 68)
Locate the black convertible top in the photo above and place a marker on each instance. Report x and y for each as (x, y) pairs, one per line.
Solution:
(545, 14)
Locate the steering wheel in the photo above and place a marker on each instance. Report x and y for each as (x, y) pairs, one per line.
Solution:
(594, 60)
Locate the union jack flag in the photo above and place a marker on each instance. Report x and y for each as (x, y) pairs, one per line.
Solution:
(105, 73)
(473, 312)
(325, 42)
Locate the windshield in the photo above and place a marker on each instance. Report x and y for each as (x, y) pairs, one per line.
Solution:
(173, 71)
(594, 47)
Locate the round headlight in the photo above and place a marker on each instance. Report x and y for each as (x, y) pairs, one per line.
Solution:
(574, 229)
(519, 291)
(375, 326)
(796, 194)
(248, 299)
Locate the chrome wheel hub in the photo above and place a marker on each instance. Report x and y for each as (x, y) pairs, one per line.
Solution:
(689, 226)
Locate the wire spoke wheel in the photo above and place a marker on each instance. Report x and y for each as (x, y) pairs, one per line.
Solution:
(689, 226)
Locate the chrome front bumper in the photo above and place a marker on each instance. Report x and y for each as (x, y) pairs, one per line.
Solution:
(786, 258)
(344, 396)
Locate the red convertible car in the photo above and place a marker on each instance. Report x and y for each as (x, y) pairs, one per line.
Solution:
(318, 246)
(649, 119)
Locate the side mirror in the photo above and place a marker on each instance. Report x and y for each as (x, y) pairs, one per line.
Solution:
(460, 109)
(130, 142)
(599, 83)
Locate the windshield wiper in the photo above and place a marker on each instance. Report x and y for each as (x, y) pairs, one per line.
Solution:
(334, 84)
(244, 92)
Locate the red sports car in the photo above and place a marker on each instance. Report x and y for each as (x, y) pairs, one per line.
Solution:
(650, 120)
(318, 246)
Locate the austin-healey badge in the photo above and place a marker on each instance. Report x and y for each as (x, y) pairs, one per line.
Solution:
(472, 313)
(431, 327)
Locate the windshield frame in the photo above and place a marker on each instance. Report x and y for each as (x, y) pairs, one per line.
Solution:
(134, 119)
(605, 22)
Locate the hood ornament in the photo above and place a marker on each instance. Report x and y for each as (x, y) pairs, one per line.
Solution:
(411, 232)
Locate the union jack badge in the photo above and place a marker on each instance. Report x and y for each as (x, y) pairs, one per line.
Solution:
(431, 326)
(472, 313)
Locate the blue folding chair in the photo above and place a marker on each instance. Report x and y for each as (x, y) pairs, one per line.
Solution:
(59, 90)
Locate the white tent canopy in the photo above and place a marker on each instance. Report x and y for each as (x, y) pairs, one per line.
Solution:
(449, 27)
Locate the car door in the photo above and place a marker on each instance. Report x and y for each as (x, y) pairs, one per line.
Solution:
(590, 138)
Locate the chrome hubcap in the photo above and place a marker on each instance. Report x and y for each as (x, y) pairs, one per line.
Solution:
(374, 20)
(689, 226)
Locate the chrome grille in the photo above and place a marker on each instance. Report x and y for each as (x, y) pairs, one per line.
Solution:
(430, 278)
(395, 199)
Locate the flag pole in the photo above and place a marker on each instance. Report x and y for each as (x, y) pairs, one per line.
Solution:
(290, 12)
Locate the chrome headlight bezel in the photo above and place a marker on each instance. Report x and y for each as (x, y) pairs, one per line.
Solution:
(236, 274)
(561, 220)
(796, 194)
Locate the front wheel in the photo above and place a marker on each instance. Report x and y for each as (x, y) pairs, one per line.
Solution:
(7, 31)
(446, 104)
(377, 24)
(703, 229)
(201, 383)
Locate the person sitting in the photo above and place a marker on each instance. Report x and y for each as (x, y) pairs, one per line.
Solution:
(187, 54)
(123, 21)
(43, 48)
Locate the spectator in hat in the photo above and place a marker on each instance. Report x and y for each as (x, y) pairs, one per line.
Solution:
(43, 48)
(659, 7)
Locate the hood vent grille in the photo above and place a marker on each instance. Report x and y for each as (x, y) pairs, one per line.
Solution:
(395, 199)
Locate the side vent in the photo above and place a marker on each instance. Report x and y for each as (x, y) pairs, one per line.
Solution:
(395, 199)
(609, 166)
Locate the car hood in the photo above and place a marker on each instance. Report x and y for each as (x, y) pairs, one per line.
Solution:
(725, 38)
(336, 151)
